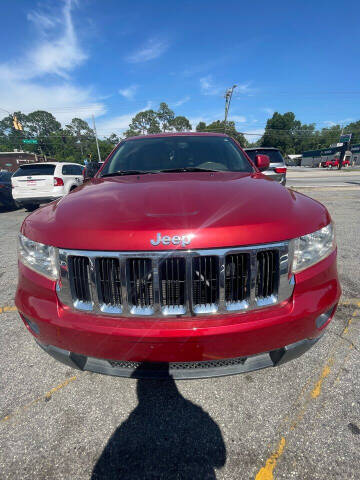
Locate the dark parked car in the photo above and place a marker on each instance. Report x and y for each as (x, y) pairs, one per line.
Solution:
(277, 167)
(91, 169)
(6, 198)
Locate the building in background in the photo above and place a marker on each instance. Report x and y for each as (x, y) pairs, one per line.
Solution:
(355, 154)
(313, 158)
(10, 161)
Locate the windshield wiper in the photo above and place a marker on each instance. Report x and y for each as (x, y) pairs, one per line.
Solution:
(188, 169)
(126, 172)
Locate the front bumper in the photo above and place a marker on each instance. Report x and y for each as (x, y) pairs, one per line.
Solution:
(181, 370)
(210, 338)
(35, 200)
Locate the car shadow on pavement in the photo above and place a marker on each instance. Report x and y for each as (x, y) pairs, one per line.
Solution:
(165, 437)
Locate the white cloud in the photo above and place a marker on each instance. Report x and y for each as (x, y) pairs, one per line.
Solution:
(330, 123)
(151, 50)
(119, 123)
(253, 135)
(55, 54)
(129, 92)
(243, 89)
(40, 79)
(181, 101)
(208, 87)
(268, 110)
(237, 118)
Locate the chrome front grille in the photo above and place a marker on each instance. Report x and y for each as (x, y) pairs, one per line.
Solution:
(179, 282)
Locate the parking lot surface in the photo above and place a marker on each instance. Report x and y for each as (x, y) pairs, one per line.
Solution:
(297, 421)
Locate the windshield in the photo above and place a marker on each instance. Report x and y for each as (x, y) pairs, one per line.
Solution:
(274, 155)
(182, 152)
(35, 170)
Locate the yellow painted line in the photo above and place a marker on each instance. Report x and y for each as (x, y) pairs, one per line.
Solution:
(325, 373)
(10, 308)
(267, 472)
(47, 396)
(350, 301)
(346, 329)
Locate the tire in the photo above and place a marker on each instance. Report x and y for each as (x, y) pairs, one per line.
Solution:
(31, 207)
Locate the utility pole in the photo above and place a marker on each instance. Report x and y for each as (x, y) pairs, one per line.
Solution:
(228, 96)
(97, 143)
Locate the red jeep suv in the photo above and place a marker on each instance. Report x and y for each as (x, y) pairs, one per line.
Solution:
(179, 258)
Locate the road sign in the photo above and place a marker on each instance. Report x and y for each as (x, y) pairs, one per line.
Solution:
(345, 138)
(30, 140)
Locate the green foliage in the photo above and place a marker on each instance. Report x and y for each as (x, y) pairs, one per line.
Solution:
(219, 127)
(291, 136)
(144, 123)
(201, 127)
(181, 124)
(69, 144)
(163, 120)
(165, 117)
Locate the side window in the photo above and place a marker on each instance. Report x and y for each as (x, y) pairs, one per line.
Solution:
(66, 170)
(77, 170)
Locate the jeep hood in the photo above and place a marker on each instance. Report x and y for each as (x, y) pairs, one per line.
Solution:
(220, 209)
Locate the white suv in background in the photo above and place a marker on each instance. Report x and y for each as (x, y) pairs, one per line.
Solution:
(36, 183)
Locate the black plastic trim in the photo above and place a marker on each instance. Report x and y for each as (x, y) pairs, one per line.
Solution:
(166, 370)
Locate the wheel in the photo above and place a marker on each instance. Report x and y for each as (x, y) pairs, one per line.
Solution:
(330, 166)
(32, 206)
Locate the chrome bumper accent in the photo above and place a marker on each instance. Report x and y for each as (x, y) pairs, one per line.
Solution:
(283, 291)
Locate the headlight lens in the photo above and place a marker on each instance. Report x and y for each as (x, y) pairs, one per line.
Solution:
(313, 247)
(38, 257)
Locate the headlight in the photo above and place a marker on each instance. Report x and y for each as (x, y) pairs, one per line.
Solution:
(313, 247)
(38, 257)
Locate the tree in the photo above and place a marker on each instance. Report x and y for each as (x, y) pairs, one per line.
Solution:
(279, 132)
(219, 127)
(41, 123)
(181, 124)
(113, 139)
(201, 127)
(165, 116)
(354, 128)
(143, 123)
(328, 135)
(79, 134)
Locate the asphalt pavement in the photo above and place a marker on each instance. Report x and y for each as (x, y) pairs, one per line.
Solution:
(297, 421)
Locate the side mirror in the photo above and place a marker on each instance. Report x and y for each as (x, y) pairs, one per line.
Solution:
(262, 162)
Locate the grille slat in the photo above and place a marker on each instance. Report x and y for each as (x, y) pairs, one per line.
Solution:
(172, 282)
(79, 269)
(267, 273)
(205, 280)
(141, 287)
(109, 281)
(237, 277)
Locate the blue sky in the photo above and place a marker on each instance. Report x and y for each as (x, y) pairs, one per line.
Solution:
(114, 58)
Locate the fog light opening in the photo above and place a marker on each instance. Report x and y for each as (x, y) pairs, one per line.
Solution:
(324, 318)
(33, 327)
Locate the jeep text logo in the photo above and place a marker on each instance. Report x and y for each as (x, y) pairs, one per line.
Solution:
(175, 240)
